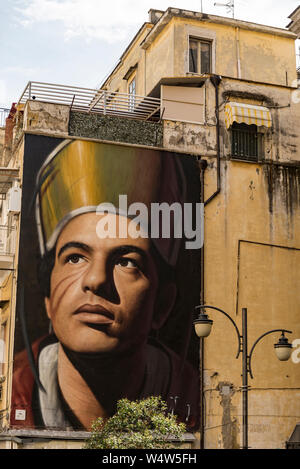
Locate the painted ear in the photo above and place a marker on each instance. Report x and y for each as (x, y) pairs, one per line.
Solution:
(164, 305)
(47, 307)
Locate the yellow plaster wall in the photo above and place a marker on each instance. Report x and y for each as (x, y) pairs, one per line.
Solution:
(160, 57)
(264, 279)
(264, 57)
(267, 58)
(134, 55)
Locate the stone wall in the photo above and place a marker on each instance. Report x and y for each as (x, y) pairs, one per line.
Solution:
(116, 129)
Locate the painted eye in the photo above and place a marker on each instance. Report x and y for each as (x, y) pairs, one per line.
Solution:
(128, 263)
(74, 259)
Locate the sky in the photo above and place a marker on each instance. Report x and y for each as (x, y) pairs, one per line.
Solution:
(78, 42)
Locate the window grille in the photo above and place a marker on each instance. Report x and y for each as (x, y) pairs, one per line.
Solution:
(246, 142)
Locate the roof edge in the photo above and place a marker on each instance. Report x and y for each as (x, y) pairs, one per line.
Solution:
(180, 13)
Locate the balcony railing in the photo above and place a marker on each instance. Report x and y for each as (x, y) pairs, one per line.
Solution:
(94, 101)
(3, 115)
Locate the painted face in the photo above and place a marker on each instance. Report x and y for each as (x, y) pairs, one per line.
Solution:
(102, 291)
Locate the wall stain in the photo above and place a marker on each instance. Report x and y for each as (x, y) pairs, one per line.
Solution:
(229, 423)
(283, 182)
(252, 189)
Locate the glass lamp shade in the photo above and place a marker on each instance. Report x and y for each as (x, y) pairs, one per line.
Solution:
(283, 349)
(203, 325)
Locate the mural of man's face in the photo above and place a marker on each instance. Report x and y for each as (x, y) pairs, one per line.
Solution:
(103, 291)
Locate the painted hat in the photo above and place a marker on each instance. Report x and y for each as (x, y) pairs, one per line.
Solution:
(79, 175)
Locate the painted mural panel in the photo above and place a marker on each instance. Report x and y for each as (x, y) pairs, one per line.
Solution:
(107, 282)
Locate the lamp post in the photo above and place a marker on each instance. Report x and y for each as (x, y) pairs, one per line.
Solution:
(283, 350)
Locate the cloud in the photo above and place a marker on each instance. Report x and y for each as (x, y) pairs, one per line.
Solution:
(18, 69)
(116, 20)
(110, 21)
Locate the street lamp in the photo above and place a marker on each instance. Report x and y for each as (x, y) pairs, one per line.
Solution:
(283, 350)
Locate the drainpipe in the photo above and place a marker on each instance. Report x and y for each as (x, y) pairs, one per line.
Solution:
(215, 80)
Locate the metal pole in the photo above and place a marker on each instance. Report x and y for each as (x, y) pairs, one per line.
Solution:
(245, 378)
(104, 103)
(203, 165)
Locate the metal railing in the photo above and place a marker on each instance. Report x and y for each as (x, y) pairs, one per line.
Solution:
(3, 115)
(94, 101)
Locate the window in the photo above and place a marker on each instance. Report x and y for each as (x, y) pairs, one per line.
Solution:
(131, 92)
(199, 56)
(246, 142)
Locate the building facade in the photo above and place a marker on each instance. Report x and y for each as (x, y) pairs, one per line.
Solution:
(224, 92)
(228, 93)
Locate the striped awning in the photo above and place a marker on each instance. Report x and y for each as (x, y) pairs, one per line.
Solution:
(247, 114)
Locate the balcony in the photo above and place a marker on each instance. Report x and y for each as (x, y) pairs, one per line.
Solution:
(93, 101)
(3, 115)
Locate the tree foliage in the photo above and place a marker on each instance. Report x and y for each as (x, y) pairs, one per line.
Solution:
(143, 424)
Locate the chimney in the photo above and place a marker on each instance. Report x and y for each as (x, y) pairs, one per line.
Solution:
(155, 15)
(294, 25)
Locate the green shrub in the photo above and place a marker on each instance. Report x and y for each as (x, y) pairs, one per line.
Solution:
(143, 424)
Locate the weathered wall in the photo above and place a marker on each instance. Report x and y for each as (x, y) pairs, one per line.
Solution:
(199, 139)
(252, 260)
(40, 440)
(192, 138)
(281, 142)
(40, 443)
(46, 117)
(58, 120)
(283, 139)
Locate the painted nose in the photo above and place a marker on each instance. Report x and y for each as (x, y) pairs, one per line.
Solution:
(96, 277)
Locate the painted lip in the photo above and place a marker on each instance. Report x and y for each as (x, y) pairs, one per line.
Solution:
(94, 314)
